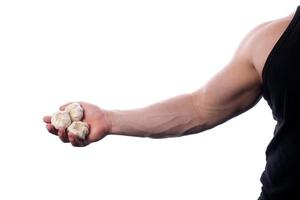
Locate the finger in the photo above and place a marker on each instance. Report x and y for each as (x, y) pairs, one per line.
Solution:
(71, 139)
(75, 141)
(51, 129)
(64, 106)
(63, 135)
(47, 119)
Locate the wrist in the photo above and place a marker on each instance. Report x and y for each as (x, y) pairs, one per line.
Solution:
(110, 118)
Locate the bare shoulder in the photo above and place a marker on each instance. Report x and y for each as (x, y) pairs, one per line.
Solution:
(262, 39)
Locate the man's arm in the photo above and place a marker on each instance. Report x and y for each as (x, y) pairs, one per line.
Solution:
(235, 89)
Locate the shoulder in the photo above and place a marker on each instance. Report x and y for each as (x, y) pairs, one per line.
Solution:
(269, 28)
(269, 31)
(258, 43)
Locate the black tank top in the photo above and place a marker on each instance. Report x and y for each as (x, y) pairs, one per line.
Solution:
(281, 89)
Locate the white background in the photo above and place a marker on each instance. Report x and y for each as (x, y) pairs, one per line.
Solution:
(123, 55)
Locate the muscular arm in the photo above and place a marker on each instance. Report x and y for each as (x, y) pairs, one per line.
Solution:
(235, 89)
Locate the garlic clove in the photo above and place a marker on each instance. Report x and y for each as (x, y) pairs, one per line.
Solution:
(61, 119)
(79, 128)
(75, 111)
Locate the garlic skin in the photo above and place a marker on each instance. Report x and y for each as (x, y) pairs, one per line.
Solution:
(75, 111)
(61, 119)
(79, 128)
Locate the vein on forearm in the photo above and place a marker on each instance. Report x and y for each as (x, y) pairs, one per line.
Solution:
(173, 117)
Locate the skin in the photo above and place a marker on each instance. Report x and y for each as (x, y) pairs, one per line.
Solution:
(232, 91)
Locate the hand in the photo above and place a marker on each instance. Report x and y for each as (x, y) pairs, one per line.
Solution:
(97, 119)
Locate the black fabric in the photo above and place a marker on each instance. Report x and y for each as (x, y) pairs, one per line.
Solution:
(281, 89)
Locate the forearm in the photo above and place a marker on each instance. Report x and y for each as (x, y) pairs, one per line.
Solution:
(176, 116)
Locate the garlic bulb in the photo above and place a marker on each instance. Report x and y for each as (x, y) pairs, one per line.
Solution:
(79, 128)
(61, 119)
(75, 111)
(70, 119)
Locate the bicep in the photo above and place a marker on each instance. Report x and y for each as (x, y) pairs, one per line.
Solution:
(230, 92)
